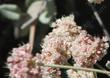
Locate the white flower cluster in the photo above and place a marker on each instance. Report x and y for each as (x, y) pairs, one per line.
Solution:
(96, 1)
(65, 41)
(86, 50)
(22, 64)
(71, 40)
(79, 74)
(18, 61)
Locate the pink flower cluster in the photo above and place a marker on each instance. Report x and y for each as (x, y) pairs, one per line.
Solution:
(69, 39)
(86, 50)
(21, 63)
(65, 41)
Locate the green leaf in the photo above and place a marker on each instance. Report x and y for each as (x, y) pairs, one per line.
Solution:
(108, 64)
(50, 11)
(10, 11)
(44, 19)
(11, 7)
(10, 14)
(36, 8)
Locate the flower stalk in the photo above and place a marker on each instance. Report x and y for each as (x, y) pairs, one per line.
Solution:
(32, 35)
(76, 68)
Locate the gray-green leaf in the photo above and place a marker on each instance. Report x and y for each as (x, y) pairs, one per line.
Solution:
(10, 14)
(108, 64)
(11, 7)
(44, 19)
(10, 11)
(49, 12)
(36, 8)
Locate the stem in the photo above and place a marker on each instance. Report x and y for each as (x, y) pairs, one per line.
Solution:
(42, 6)
(76, 68)
(32, 35)
(99, 20)
(95, 74)
(99, 66)
(28, 23)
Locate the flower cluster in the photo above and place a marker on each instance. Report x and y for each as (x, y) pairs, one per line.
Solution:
(60, 39)
(70, 39)
(86, 50)
(67, 40)
(96, 1)
(79, 74)
(22, 64)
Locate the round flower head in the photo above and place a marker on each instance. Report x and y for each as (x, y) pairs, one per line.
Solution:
(70, 40)
(22, 64)
(86, 49)
(60, 39)
(56, 43)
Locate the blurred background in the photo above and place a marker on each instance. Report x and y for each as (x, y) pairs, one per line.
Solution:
(15, 13)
